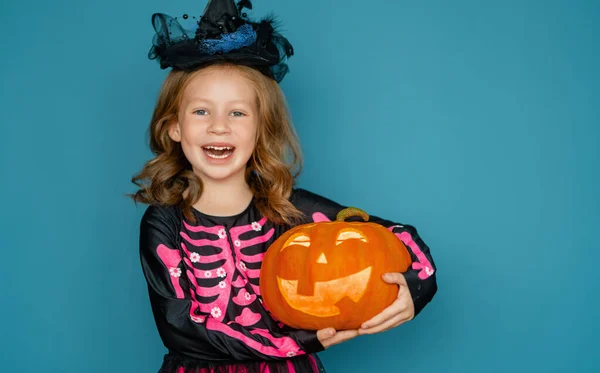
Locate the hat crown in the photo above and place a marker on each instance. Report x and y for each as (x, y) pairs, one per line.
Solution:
(218, 16)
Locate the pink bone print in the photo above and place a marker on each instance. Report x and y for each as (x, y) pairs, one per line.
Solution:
(236, 232)
(195, 306)
(319, 217)
(227, 267)
(244, 298)
(426, 269)
(239, 282)
(171, 259)
(218, 308)
(284, 346)
(199, 228)
(247, 317)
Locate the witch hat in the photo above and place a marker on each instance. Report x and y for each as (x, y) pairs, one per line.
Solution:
(219, 16)
(223, 33)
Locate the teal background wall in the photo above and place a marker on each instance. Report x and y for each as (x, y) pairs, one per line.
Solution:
(476, 121)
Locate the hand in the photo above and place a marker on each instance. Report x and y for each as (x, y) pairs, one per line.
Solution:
(399, 312)
(329, 336)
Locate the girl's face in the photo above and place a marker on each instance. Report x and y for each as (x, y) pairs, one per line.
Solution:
(217, 123)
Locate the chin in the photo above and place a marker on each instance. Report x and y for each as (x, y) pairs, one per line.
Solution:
(219, 173)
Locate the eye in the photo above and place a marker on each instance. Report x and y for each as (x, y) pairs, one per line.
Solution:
(297, 239)
(237, 114)
(350, 234)
(201, 112)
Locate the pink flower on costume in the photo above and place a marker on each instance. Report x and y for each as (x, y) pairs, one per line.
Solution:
(207, 274)
(222, 285)
(216, 312)
(222, 234)
(221, 273)
(243, 266)
(256, 226)
(291, 353)
(175, 272)
(237, 243)
(195, 257)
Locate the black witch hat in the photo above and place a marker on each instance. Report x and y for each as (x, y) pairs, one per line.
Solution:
(222, 33)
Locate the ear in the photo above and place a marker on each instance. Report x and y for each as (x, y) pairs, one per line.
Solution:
(175, 131)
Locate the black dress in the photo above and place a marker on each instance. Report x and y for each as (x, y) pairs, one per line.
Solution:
(203, 286)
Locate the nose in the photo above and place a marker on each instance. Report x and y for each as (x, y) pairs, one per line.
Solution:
(219, 125)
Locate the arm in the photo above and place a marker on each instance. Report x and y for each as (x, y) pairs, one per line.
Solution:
(421, 278)
(182, 327)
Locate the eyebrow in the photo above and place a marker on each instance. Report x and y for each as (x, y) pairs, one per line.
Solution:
(200, 99)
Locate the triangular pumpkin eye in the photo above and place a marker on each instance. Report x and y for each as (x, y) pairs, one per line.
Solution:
(322, 259)
(350, 234)
(297, 239)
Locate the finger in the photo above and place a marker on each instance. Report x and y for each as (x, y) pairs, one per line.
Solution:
(389, 324)
(326, 333)
(339, 337)
(394, 278)
(388, 313)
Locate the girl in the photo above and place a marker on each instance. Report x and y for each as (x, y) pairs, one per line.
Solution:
(221, 190)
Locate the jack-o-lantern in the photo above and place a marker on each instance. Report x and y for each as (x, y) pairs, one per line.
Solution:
(329, 274)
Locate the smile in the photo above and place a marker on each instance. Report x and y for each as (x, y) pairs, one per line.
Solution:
(218, 152)
(326, 294)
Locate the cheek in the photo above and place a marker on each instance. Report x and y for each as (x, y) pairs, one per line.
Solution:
(247, 134)
(191, 133)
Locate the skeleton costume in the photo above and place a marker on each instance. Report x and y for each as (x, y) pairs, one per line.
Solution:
(203, 277)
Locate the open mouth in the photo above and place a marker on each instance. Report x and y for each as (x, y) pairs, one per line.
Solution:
(218, 152)
(326, 294)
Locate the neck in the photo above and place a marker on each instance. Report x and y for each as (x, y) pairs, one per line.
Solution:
(224, 198)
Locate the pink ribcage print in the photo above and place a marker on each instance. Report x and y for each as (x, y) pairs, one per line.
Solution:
(215, 276)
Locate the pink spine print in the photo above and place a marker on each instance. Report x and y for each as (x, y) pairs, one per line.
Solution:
(247, 317)
(244, 298)
(171, 259)
(239, 245)
(239, 282)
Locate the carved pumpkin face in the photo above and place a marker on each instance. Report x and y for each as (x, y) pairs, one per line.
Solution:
(328, 274)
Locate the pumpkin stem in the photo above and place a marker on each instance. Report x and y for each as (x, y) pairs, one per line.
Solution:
(350, 212)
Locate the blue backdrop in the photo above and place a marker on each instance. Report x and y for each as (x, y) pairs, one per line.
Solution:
(476, 121)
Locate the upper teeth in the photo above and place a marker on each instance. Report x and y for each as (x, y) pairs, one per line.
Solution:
(218, 147)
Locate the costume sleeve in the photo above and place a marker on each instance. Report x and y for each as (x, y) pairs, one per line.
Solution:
(421, 278)
(175, 306)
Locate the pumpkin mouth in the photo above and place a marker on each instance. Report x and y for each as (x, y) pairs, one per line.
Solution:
(326, 294)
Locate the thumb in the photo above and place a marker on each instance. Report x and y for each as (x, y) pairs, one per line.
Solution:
(394, 278)
(325, 333)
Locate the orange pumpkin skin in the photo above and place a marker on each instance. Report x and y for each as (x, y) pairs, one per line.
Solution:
(329, 274)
